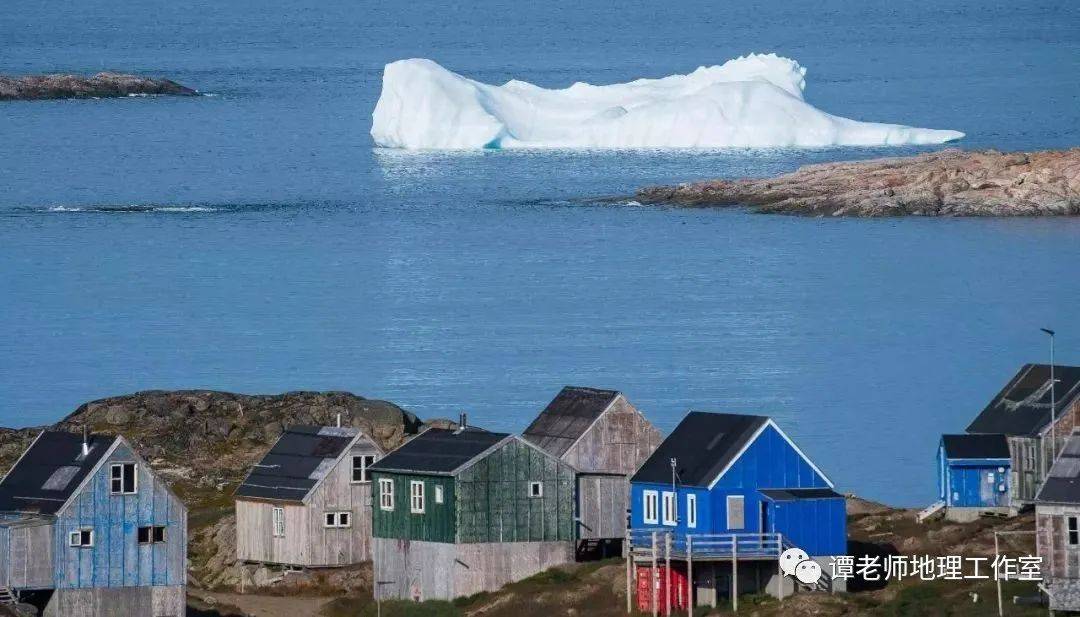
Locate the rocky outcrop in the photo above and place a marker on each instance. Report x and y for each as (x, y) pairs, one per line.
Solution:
(102, 85)
(945, 183)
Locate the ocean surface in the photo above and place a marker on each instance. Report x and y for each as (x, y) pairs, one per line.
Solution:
(254, 240)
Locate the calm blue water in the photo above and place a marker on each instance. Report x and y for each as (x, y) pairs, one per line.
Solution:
(480, 282)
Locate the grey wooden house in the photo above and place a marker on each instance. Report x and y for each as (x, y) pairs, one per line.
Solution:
(605, 438)
(1022, 412)
(462, 511)
(307, 503)
(86, 526)
(1057, 528)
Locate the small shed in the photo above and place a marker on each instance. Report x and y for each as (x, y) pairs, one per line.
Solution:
(604, 437)
(307, 503)
(974, 474)
(461, 511)
(1057, 529)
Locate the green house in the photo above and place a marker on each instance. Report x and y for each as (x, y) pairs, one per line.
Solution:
(456, 512)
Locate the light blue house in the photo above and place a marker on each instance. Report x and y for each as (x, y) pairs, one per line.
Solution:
(974, 476)
(88, 529)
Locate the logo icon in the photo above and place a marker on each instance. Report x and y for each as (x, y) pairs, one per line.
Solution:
(795, 562)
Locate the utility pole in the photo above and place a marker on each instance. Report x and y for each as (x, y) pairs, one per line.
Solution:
(1053, 400)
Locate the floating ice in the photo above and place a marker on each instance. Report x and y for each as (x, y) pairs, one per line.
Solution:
(753, 101)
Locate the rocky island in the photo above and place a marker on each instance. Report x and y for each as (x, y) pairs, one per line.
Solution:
(945, 183)
(102, 85)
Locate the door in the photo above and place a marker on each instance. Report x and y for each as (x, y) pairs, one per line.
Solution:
(765, 524)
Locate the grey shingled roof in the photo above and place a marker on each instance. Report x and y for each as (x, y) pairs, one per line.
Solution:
(1063, 483)
(976, 446)
(1022, 408)
(794, 494)
(302, 456)
(567, 417)
(439, 451)
(703, 444)
(50, 471)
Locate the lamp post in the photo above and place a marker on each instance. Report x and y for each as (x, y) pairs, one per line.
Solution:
(1053, 399)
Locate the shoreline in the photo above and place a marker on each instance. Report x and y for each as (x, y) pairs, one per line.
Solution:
(102, 85)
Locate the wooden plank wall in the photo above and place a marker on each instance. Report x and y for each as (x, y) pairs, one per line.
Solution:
(1059, 561)
(1026, 467)
(494, 505)
(117, 559)
(602, 504)
(620, 440)
(5, 557)
(167, 601)
(436, 524)
(30, 557)
(438, 570)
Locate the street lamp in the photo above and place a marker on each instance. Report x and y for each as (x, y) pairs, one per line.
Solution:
(1053, 398)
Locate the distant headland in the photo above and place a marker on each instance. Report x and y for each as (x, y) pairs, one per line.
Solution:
(946, 183)
(102, 85)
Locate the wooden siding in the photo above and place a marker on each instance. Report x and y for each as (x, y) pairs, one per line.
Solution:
(26, 556)
(602, 504)
(617, 443)
(117, 559)
(436, 524)
(307, 541)
(110, 602)
(1059, 559)
(493, 502)
(441, 571)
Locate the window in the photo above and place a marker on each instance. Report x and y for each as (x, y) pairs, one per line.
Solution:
(989, 477)
(360, 464)
(438, 494)
(81, 538)
(416, 496)
(339, 520)
(386, 494)
(671, 514)
(279, 522)
(736, 515)
(691, 510)
(1074, 530)
(536, 489)
(122, 479)
(151, 535)
(649, 502)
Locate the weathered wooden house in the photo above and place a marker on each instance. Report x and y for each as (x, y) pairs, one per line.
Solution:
(733, 492)
(307, 503)
(974, 474)
(1057, 528)
(462, 511)
(1022, 412)
(605, 438)
(87, 523)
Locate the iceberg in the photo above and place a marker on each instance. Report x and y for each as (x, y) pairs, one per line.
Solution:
(753, 101)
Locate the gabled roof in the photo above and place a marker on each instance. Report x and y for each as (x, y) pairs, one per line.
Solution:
(1022, 408)
(440, 451)
(50, 471)
(975, 446)
(567, 417)
(703, 444)
(795, 494)
(299, 460)
(1062, 485)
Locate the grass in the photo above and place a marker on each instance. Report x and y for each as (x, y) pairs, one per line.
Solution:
(365, 607)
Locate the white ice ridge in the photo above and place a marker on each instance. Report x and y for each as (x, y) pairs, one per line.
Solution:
(752, 101)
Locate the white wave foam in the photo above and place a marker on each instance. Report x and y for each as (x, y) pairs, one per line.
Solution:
(132, 209)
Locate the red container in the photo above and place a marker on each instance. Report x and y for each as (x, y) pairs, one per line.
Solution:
(680, 588)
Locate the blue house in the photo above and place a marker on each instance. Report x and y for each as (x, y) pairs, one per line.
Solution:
(87, 529)
(974, 476)
(733, 479)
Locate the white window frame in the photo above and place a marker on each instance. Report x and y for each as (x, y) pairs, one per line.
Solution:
(366, 460)
(536, 490)
(113, 478)
(670, 508)
(75, 538)
(337, 520)
(438, 493)
(386, 494)
(277, 521)
(989, 477)
(741, 500)
(650, 507)
(1072, 531)
(152, 529)
(416, 496)
(691, 510)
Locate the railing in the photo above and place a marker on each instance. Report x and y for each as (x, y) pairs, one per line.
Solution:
(707, 545)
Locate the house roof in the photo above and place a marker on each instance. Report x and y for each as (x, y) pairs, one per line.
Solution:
(976, 446)
(1062, 485)
(439, 451)
(1023, 405)
(299, 460)
(50, 471)
(795, 494)
(567, 417)
(703, 445)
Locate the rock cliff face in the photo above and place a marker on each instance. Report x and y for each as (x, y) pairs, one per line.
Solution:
(102, 85)
(946, 183)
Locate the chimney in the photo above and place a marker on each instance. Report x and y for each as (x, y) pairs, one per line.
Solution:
(85, 443)
(463, 421)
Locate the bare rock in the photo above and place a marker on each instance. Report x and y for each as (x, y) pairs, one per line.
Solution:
(102, 85)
